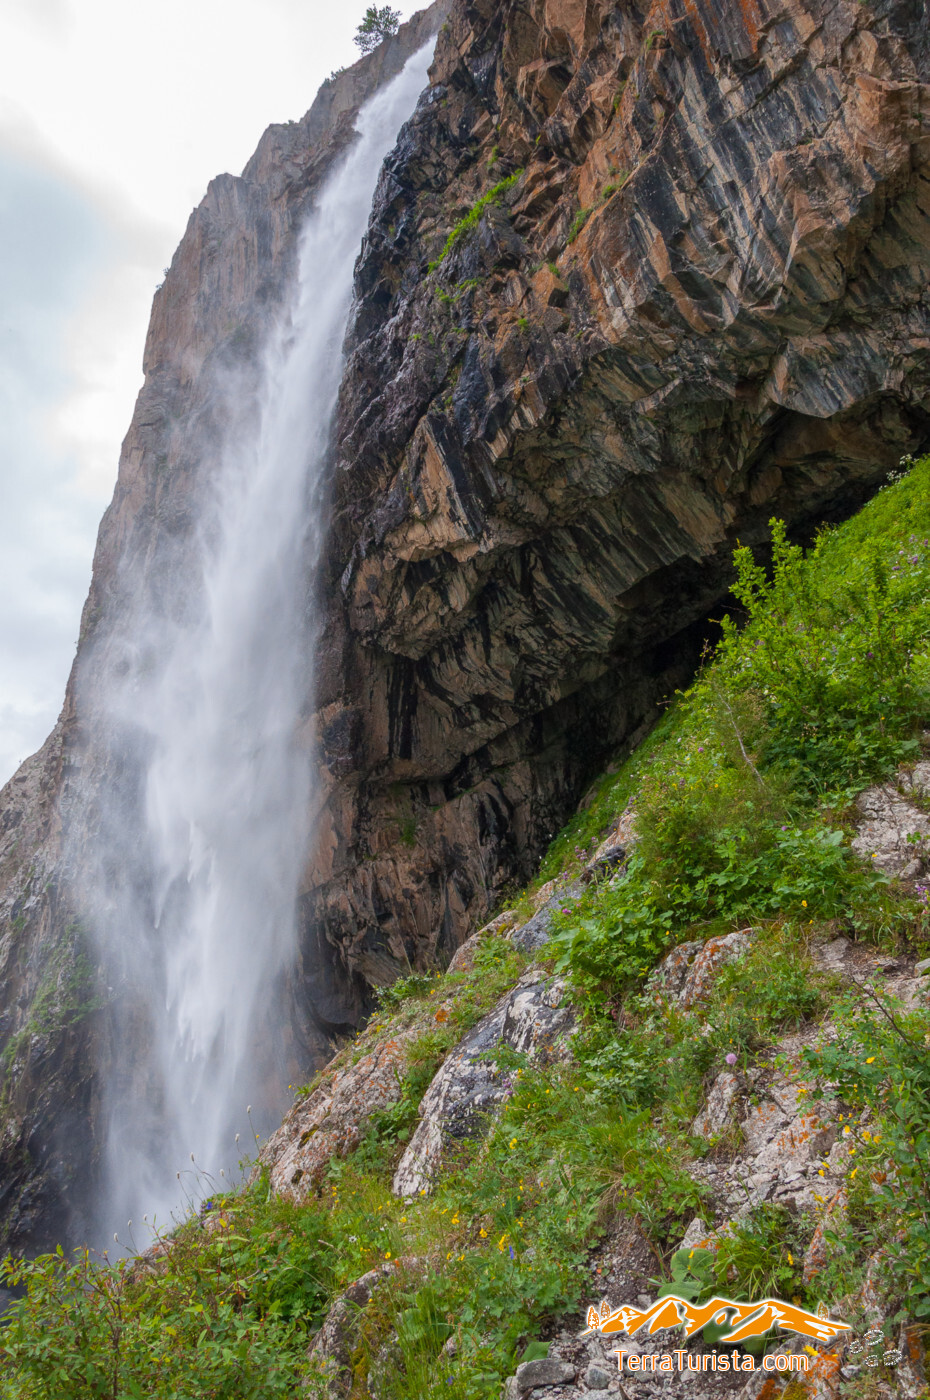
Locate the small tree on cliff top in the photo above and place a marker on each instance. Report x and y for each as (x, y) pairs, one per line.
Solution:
(378, 24)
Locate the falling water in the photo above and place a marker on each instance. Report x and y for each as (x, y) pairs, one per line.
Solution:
(197, 936)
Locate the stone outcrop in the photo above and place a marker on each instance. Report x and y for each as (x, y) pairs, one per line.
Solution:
(462, 1100)
(895, 831)
(637, 278)
(331, 1120)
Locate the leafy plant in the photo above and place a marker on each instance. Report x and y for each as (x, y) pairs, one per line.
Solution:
(692, 1276)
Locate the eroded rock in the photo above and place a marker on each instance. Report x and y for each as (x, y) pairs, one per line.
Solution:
(470, 1088)
(331, 1120)
(686, 973)
(895, 831)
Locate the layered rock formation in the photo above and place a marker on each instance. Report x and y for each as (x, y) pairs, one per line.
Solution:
(637, 278)
(695, 299)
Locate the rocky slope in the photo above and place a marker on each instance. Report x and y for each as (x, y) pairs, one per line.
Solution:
(690, 1058)
(759, 1142)
(637, 278)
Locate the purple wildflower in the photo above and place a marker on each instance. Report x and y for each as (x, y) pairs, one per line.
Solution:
(731, 1058)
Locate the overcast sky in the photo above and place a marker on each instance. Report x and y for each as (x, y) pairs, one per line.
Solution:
(114, 116)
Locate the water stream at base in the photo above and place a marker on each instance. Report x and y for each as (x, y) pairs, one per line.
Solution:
(199, 938)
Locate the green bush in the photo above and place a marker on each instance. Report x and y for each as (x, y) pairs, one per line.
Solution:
(219, 1315)
(823, 689)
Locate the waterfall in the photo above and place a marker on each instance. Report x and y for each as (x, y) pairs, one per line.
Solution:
(194, 908)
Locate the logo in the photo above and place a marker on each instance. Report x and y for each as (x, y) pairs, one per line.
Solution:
(739, 1321)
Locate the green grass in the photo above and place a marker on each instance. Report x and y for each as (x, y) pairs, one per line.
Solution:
(471, 220)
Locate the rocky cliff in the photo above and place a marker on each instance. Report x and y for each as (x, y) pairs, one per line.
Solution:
(637, 278)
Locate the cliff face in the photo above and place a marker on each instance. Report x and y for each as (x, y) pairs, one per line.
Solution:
(696, 298)
(700, 303)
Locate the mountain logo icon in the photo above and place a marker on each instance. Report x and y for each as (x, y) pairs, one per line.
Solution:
(742, 1320)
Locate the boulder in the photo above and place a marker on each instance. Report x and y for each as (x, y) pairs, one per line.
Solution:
(470, 1088)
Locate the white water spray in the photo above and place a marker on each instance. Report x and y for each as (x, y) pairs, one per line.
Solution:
(200, 939)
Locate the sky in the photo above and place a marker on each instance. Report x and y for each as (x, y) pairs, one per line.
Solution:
(114, 117)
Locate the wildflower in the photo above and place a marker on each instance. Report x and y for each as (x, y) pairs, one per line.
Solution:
(513, 1143)
(870, 1060)
(513, 1254)
(484, 1234)
(731, 1058)
(388, 1255)
(804, 903)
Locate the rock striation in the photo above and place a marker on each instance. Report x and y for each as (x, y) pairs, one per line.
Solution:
(637, 278)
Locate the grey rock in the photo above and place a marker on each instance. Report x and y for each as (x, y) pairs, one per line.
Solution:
(715, 1114)
(922, 968)
(534, 934)
(695, 1232)
(596, 1378)
(687, 972)
(546, 1371)
(470, 1089)
(893, 832)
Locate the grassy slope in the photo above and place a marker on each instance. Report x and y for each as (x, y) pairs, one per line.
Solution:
(743, 795)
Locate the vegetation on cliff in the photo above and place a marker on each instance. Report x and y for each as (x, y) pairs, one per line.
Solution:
(744, 800)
